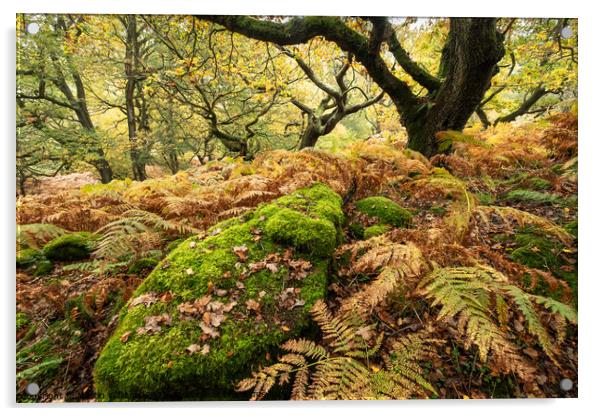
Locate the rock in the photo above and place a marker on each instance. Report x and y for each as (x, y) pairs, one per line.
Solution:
(76, 246)
(387, 211)
(376, 230)
(210, 307)
(34, 261)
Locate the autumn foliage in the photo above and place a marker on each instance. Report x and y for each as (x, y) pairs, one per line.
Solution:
(473, 296)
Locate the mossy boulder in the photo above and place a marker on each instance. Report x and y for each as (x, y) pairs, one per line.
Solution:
(34, 262)
(76, 246)
(143, 265)
(229, 264)
(387, 211)
(28, 257)
(376, 230)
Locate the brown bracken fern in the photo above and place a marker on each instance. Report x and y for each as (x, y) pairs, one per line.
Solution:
(346, 367)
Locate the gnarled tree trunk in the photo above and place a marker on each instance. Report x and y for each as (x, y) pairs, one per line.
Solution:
(468, 62)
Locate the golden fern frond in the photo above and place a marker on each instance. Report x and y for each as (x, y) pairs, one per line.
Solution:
(464, 292)
(341, 371)
(523, 218)
(36, 235)
(340, 378)
(442, 183)
(467, 293)
(233, 212)
(523, 301)
(306, 347)
(402, 361)
(339, 332)
(406, 257)
(135, 232)
(254, 196)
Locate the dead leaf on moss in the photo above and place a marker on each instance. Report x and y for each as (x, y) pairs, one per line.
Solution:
(241, 252)
(124, 338)
(208, 330)
(152, 324)
(192, 348)
(146, 299)
(253, 305)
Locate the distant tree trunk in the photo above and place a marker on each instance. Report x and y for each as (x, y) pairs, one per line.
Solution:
(130, 64)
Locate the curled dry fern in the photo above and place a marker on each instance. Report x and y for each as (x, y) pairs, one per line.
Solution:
(341, 369)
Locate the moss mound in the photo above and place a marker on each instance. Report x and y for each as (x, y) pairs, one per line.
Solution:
(76, 246)
(387, 211)
(376, 230)
(142, 265)
(244, 260)
(28, 257)
(34, 262)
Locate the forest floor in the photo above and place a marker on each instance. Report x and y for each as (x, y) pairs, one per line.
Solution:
(504, 198)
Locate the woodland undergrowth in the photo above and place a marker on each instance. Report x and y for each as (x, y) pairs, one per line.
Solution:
(475, 298)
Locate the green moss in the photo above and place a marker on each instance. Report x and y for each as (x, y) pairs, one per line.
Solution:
(172, 245)
(84, 314)
(356, 230)
(438, 210)
(76, 246)
(157, 366)
(142, 265)
(539, 184)
(485, 199)
(28, 257)
(572, 227)
(526, 195)
(387, 211)
(42, 268)
(535, 249)
(22, 320)
(376, 230)
(315, 236)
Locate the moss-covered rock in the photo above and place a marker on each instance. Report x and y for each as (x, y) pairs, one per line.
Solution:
(172, 245)
(143, 265)
(42, 267)
(28, 257)
(387, 211)
(356, 230)
(138, 366)
(76, 246)
(34, 262)
(21, 320)
(376, 230)
(537, 250)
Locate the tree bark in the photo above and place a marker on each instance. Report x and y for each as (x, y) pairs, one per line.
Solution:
(468, 62)
(130, 65)
(529, 102)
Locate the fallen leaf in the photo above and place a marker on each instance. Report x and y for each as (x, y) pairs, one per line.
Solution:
(192, 348)
(241, 252)
(146, 299)
(124, 338)
(208, 330)
(253, 305)
(205, 349)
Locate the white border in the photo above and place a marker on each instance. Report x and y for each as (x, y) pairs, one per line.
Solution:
(590, 233)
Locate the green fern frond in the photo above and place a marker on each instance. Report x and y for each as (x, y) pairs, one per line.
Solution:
(476, 296)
